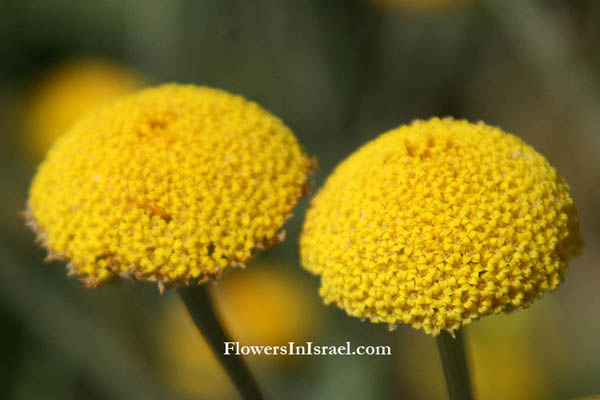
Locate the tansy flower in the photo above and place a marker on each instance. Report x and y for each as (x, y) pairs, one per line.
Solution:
(67, 93)
(261, 306)
(171, 184)
(438, 223)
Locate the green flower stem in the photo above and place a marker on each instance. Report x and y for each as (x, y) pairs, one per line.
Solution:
(198, 302)
(452, 353)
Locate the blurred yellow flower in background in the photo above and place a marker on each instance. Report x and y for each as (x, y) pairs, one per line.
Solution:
(68, 92)
(268, 306)
(263, 306)
(505, 364)
(172, 184)
(185, 361)
(437, 223)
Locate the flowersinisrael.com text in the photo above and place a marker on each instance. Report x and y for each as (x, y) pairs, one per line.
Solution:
(306, 349)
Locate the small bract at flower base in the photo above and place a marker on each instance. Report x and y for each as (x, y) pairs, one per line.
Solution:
(438, 223)
(174, 185)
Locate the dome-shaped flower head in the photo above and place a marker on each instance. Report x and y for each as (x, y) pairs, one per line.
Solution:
(438, 223)
(171, 184)
(67, 93)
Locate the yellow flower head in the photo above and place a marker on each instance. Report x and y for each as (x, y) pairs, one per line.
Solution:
(438, 223)
(67, 93)
(173, 184)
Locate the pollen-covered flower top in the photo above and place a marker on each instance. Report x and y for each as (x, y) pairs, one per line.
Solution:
(172, 184)
(437, 223)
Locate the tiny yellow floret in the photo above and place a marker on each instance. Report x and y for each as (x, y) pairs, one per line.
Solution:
(438, 223)
(171, 184)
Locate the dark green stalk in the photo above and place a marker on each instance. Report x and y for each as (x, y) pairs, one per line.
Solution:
(452, 353)
(198, 302)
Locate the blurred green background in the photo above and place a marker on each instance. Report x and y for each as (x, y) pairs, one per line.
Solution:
(338, 73)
